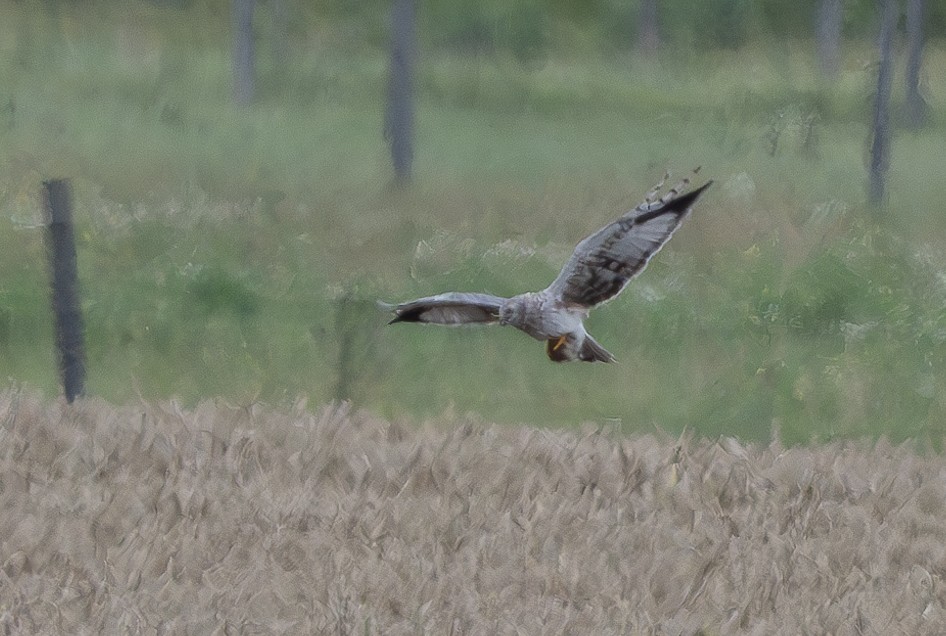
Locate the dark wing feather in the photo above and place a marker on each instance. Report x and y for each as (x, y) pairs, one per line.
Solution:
(452, 308)
(606, 261)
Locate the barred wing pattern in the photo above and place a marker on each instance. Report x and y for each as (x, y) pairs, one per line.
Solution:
(604, 263)
(600, 267)
(452, 308)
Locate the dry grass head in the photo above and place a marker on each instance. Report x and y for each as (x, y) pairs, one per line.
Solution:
(151, 517)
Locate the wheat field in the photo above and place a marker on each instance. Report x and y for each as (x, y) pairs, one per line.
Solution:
(154, 519)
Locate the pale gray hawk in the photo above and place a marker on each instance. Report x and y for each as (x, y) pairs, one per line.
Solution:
(598, 270)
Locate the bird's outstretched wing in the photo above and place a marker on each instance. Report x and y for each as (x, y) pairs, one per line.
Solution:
(606, 261)
(452, 308)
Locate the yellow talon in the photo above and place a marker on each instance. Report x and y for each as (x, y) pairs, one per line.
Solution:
(559, 343)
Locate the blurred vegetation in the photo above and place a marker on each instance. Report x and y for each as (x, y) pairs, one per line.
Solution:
(239, 252)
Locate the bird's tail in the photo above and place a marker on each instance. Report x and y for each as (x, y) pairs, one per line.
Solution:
(563, 349)
(591, 351)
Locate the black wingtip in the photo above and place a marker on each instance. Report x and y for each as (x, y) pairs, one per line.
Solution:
(680, 205)
(409, 315)
(686, 200)
(402, 318)
(388, 307)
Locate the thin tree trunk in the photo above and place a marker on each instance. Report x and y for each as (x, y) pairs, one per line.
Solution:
(244, 75)
(916, 106)
(399, 113)
(828, 29)
(648, 35)
(880, 133)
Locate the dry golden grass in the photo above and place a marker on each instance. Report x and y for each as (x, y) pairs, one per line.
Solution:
(154, 519)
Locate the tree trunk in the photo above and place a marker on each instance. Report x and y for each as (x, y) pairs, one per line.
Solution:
(244, 76)
(648, 35)
(399, 113)
(828, 29)
(916, 106)
(880, 133)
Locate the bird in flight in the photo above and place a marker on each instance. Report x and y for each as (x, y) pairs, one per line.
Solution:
(598, 270)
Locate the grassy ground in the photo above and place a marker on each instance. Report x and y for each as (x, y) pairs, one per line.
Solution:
(153, 518)
(240, 252)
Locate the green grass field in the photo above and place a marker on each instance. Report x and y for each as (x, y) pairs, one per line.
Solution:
(239, 252)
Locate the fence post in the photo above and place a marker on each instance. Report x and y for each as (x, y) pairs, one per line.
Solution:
(399, 109)
(61, 248)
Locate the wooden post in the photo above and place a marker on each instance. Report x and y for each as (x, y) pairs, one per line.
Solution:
(244, 53)
(829, 20)
(880, 129)
(648, 33)
(399, 110)
(61, 247)
(915, 106)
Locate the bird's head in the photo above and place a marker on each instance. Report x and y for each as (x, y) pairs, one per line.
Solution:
(512, 312)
